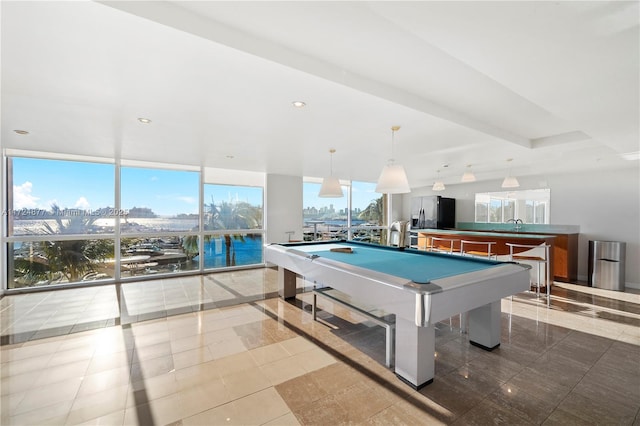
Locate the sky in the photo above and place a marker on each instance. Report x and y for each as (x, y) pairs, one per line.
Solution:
(362, 194)
(37, 184)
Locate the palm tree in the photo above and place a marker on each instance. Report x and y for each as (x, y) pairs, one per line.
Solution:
(374, 212)
(29, 266)
(69, 258)
(241, 215)
(190, 246)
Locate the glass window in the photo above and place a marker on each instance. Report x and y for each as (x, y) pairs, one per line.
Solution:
(368, 212)
(324, 218)
(55, 197)
(62, 225)
(158, 254)
(529, 211)
(482, 208)
(232, 208)
(540, 214)
(51, 261)
(482, 212)
(237, 249)
(360, 215)
(158, 200)
(495, 210)
(55, 206)
(367, 206)
(508, 210)
(532, 206)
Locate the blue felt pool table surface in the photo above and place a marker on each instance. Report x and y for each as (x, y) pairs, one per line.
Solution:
(418, 266)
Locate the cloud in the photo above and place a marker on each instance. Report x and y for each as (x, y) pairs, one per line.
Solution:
(176, 197)
(82, 203)
(188, 200)
(22, 198)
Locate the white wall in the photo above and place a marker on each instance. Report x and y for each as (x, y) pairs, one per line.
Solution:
(605, 205)
(3, 217)
(284, 208)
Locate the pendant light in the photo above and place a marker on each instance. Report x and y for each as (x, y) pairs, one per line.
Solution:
(510, 181)
(468, 175)
(438, 185)
(331, 187)
(393, 179)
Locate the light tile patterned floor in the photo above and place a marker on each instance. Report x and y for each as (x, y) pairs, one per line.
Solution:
(268, 362)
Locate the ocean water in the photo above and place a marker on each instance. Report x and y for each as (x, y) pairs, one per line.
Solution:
(247, 252)
(34, 226)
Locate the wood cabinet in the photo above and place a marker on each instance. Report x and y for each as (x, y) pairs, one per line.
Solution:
(564, 247)
(565, 256)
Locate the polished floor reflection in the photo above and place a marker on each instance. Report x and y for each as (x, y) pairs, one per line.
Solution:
(260, 360)
(36, 315)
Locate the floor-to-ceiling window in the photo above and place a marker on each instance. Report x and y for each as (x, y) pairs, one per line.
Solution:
(233, 218)
(324, 218)
(160, 218)
(80, 220)
(233, 225)
(60, 225)
(368, 212)
(359, 215)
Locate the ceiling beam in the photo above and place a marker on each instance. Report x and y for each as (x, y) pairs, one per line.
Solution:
(173, 16)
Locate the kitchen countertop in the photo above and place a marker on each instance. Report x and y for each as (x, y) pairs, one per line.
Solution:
(524, 235)
(524, 228)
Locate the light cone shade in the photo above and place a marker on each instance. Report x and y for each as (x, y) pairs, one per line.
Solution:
(393, 180)
(331, 188)
(510, 182)
(468, 177)
(438, 186)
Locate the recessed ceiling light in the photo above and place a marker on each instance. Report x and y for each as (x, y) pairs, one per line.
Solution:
(631, 156)
(144, 120)
(298, 104)
(21, 132)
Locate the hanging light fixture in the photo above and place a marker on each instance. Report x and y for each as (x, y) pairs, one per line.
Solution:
(468, 175)
(393, 179)
(510, 181)
(331, 185)
(438, 185)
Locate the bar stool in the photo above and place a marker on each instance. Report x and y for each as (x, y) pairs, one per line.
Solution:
(537, 254)
(441, 245)
(477, 248)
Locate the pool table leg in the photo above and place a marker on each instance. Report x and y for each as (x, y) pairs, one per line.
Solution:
(484, 326)
(286, 283)
(415, 349)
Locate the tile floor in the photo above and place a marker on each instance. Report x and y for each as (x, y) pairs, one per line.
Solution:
(222, 349)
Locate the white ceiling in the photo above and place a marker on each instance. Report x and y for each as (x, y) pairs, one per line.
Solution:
(553, 85)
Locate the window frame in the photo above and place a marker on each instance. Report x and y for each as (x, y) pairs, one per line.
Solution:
(116, 235)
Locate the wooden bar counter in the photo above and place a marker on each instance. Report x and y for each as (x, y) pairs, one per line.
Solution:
(564, 246)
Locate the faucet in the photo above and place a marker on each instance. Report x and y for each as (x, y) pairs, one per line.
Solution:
(517, 222)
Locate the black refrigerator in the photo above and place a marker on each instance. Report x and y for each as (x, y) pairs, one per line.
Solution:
(434, 212)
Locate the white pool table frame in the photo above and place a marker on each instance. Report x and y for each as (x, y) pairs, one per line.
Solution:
(417, 307)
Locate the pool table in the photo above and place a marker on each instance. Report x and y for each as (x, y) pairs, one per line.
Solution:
(420, 288)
